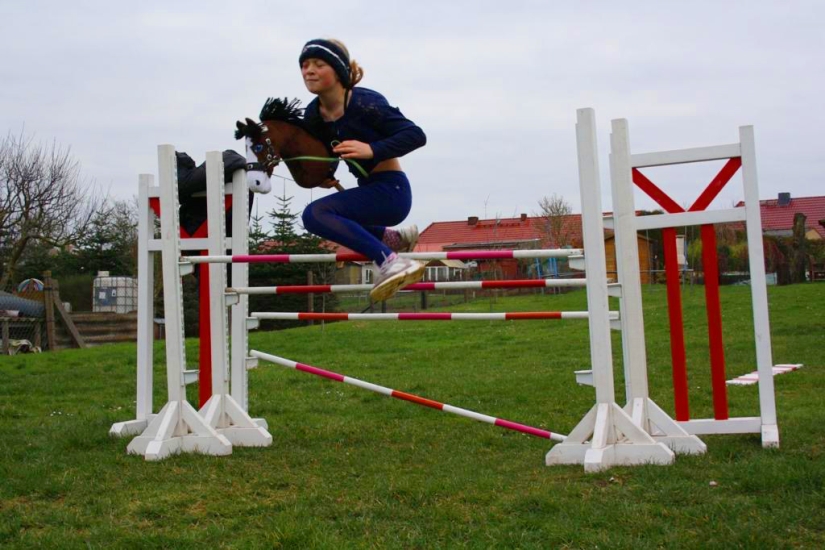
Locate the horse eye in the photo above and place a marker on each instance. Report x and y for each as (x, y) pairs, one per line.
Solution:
(257, 148)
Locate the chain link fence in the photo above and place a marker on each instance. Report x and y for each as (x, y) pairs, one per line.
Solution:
(22, 317)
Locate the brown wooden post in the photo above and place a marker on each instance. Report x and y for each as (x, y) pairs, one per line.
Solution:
(5, 335)
(310, 298)
(48, 303)
(423, 299)
(64, 315)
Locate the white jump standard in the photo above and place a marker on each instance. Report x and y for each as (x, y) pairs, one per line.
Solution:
(223, 412)
(606, 436)
(178, 427)
(624, 173)
(223, 421)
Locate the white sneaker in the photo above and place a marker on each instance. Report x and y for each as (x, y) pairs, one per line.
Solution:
(409, 238)
(395, 274)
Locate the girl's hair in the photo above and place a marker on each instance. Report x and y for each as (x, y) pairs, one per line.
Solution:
(356, 72)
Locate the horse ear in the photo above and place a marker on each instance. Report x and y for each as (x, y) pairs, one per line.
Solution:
(241, 131)
(253, 129)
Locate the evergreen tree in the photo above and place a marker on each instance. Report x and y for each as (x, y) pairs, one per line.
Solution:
(283, 224)
(257, 235)
(109, 242)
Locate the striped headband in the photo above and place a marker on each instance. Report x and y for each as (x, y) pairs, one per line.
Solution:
(331, 54)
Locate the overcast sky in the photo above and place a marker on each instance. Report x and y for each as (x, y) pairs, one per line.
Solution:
(495, 85)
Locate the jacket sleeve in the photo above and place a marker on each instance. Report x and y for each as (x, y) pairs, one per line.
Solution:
(401, 135)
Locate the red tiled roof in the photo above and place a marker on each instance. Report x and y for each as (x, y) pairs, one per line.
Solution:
(485, 233)
(779, 218)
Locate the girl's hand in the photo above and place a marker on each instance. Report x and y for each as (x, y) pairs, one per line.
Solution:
(352, 149)
(329, 183)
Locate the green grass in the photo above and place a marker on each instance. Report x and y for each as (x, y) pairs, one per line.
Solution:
(349, 468)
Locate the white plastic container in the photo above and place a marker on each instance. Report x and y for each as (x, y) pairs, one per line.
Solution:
(114, 294)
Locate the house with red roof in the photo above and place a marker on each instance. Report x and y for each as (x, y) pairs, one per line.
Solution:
(521, 232)
(778, 215)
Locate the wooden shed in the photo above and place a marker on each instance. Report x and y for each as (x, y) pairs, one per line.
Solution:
(645, 258)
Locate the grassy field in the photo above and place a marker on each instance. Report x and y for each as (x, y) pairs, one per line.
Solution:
(351, 469)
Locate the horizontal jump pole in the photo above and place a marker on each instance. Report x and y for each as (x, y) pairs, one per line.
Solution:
(355, 257)
(513, 316)
(453, 285)
(408, 397)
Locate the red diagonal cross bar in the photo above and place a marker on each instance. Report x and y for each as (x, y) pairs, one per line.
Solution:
(711, 191)
(655, 193)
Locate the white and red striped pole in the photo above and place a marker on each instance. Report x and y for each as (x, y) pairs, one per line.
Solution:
(444, 285)
(409, 397)
(355, 257)
(505, 316)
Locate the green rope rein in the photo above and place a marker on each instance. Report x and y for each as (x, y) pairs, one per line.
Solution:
(332, 159)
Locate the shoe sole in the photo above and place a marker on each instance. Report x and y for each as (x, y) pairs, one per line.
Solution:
(388, 288)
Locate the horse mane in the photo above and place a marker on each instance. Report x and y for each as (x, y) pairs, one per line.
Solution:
(283, 110)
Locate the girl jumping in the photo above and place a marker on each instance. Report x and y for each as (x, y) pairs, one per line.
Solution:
(359, 124)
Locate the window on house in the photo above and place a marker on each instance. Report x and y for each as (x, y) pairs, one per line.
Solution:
(368, 276)
(437, 273)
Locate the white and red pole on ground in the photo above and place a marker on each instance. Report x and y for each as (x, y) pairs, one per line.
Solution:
(424, 402)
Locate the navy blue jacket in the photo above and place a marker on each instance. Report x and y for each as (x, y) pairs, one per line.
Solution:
(368, 118)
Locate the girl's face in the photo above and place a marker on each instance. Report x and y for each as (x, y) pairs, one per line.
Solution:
(318, 76)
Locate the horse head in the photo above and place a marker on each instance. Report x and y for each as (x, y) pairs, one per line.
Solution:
(258, 168)
(279, 137)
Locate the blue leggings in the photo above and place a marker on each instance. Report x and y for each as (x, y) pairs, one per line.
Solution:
(357, 217)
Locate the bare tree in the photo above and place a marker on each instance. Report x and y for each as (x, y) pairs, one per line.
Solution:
(554, 211)
(42, 199)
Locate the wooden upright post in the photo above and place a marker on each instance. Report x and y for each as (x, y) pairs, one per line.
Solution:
(5, 335)
(66, 318)
(48, 303)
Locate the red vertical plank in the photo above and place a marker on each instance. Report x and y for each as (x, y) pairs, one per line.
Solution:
(204, 328)
(677, 330)
(710, 263)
